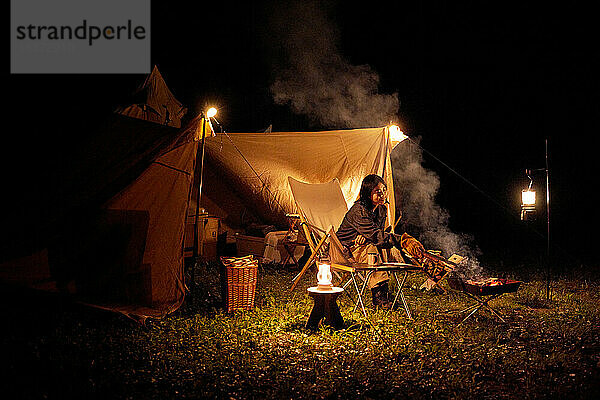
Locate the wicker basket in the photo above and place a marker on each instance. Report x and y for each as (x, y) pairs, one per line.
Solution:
(242, 273)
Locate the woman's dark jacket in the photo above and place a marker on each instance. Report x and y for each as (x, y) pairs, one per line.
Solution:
(360, 220)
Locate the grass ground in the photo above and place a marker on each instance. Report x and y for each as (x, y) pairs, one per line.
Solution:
(54, 348)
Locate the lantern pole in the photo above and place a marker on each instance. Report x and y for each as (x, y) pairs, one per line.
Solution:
(524, 213)
(547, 224)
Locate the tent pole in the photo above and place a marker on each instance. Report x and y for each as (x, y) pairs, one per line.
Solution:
(196, 250)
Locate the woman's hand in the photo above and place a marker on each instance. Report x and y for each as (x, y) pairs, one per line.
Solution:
(360, 240)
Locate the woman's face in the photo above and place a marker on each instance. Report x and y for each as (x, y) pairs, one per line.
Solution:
(378, 195)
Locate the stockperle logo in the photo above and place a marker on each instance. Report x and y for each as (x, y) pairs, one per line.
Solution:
(80, 36)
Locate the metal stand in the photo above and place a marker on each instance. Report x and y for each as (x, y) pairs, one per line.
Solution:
(399, 293)
(546, 170)
(479, 305)
(370, 270)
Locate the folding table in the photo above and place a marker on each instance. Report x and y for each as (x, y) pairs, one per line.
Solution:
(394, 268)
(293, 238)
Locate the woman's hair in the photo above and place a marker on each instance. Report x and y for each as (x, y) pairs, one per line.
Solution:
(369, 183)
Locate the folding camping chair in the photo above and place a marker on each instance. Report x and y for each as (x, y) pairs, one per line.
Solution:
(322, 207)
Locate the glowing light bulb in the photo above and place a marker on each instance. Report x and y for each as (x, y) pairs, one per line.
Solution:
(396, 135)
(211, 112)
(528, 197)
(324, 277)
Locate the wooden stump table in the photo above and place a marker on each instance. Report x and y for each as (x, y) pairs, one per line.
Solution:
(325, 308)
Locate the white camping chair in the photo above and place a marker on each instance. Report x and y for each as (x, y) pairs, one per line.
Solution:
(321, 208)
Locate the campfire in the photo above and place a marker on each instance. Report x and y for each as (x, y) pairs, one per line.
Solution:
(484, 287)
(482, 291)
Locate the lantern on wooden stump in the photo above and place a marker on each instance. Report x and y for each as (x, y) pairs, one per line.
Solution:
(324, 278)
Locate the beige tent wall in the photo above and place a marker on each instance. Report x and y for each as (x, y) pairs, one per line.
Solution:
(161, 191)
(257, 166)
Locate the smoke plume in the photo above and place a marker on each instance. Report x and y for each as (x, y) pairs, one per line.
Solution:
(315, 80)
(417, 188)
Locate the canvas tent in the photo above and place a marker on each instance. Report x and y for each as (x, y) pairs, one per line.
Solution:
(153, 101)
(115, 233)
(121, 247)
(117, 243)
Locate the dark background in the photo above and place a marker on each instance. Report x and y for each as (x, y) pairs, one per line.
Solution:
(482, 86)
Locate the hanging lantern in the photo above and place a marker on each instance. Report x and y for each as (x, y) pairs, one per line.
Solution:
(528, 200)
(527, 204)
(528, 197)
(211, 112)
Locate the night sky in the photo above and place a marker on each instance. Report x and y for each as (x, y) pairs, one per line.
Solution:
(482, 87)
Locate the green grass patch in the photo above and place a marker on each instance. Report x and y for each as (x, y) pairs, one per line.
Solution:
(546, 348)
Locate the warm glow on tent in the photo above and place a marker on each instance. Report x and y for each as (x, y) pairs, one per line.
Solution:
(211, 112)
(396, 135)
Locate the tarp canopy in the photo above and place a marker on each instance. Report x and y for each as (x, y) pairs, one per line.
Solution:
(153, 101)
(109, 225)
(246, 174)
(116, 238)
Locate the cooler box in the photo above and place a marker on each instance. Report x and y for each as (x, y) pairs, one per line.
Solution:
(249, 245)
